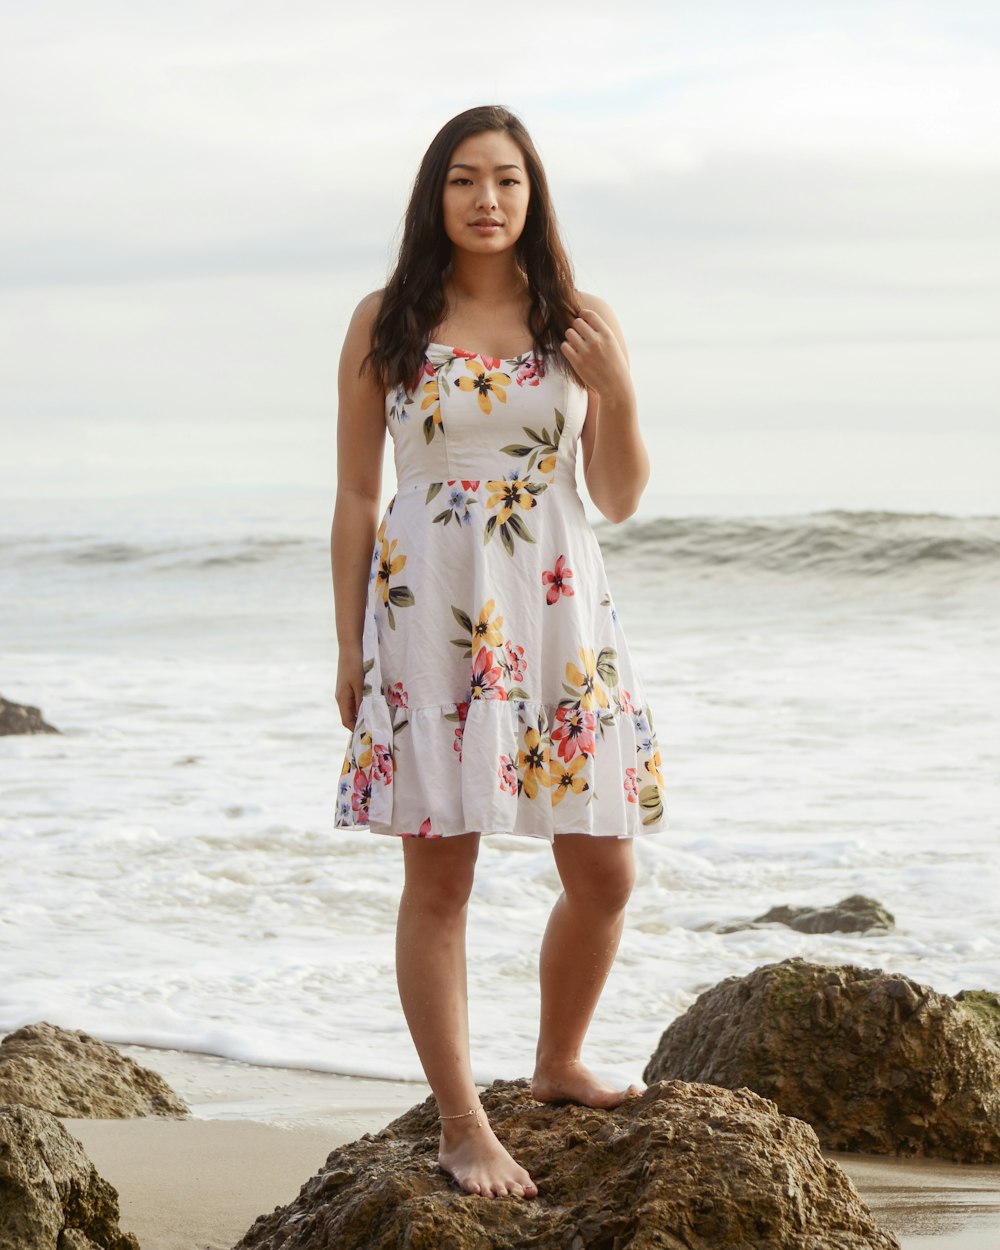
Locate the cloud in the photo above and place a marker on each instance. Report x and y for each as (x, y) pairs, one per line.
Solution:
(196, 194)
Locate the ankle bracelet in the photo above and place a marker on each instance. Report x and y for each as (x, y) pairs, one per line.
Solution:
(462, 1114)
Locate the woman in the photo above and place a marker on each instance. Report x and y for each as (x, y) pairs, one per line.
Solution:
(531, 721)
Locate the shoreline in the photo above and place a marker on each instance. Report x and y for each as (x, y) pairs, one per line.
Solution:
(257, 1134)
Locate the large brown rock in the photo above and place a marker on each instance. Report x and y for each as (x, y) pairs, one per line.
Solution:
(873, 1061)
(51, 1197)
(683, 1167)
(20, 718)
(70, 1073)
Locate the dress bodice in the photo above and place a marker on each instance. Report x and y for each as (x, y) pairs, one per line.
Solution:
(478, 417)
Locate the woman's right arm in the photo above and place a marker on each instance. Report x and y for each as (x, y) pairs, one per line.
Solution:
(360, 443)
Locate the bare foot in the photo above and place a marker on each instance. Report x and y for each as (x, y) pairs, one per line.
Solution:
(470, 1152)
(572, 1082)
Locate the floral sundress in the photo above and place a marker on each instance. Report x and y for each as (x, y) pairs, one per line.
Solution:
(499, 695)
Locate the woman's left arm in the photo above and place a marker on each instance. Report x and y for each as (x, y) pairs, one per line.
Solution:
(615, 461)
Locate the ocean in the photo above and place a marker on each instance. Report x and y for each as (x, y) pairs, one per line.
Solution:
(825, 688)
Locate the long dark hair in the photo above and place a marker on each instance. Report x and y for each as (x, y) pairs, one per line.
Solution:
(414, 302)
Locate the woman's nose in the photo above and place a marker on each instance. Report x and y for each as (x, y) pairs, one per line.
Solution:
(487, 198)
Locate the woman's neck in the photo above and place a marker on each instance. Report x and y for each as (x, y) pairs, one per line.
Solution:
(489, 280)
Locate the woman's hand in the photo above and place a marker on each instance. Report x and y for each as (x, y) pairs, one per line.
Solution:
(594, 351)
(350, 683)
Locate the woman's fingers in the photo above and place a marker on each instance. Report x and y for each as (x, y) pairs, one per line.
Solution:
(347, 702)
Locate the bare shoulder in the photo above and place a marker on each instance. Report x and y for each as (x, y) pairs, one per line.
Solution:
(364, 315)
(594, 304)
(597, 305)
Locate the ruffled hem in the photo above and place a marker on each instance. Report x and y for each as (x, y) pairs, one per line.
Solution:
(516, 766)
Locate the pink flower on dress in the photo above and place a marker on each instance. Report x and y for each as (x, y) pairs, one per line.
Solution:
(491, 362)
(529, 371)
(631, 785)
(485, 677)
(625, 700)
(514, 661)
(463, 711)
(423, 832)
(397, 695)
(467, 485)
(574, 731)
(556, 579)
(362, 793)
(382, 763)
(507, 774)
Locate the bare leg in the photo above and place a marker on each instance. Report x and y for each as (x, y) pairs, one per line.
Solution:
(579, 947)
(431, 975)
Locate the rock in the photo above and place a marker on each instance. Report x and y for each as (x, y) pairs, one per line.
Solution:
(51, 1197)
(683, 1167)
(19, 718)
(873, 1061)
(850, 915)
(70, 1073)
(985, 1006)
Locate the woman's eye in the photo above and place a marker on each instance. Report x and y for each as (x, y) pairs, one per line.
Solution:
(461, 182)
(510, 182)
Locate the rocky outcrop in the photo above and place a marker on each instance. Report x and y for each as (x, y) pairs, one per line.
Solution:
(51, 1197)
(873, 1061)
(855, 914)
(985, 1007)
(19, 718)
(683, 1167)
(70, 1073)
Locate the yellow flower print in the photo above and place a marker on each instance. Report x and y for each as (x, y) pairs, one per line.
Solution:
(387, 566)
(487, 633)
(432, 399)
(510, 493)
(487, 384)
(365, 758)
(534, 762)
(564, 777)
(547, 464)
(514, 493)
(653, 767)
(586, 680)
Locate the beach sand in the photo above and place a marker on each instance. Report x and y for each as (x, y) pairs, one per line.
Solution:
(257, 1134)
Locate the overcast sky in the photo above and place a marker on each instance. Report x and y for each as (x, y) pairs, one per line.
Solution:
(793, 207)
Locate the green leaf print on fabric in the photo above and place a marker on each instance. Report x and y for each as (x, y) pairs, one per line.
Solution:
(542, 445)
(651, 803)
(607, 666)
(465, 620)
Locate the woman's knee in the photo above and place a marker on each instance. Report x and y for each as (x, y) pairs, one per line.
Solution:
(596, 872)
(439, 873)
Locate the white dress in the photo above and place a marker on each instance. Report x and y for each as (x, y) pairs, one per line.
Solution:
(499, 693)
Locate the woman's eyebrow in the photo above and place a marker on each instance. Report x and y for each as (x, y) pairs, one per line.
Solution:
(475, 168)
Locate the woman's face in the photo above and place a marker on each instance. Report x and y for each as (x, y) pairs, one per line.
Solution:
(486, 193)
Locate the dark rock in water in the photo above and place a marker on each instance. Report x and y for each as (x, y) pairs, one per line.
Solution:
(70, 1073)
(873, 1061)
(50, 1193)
(985, 1006)
(850, 915)
(19, 718)
(683, 1167)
